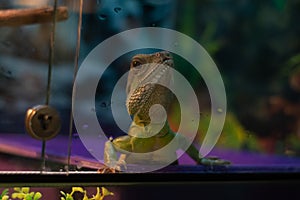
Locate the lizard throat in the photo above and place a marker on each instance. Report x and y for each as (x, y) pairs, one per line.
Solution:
(150, 91)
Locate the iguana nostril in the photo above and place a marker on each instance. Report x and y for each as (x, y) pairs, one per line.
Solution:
(163, 54)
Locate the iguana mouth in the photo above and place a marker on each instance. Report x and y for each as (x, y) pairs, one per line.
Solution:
(167, 58)
(168, 61)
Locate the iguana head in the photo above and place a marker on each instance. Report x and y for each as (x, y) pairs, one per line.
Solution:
(148, 81)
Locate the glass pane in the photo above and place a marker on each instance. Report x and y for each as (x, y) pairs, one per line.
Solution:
(26, 30)
(230, 86)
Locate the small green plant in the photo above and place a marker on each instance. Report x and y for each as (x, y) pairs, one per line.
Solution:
(25, 194)
(101, 193)
(4, 195)
(20, 193)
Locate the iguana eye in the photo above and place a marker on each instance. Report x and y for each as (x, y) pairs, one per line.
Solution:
(136, 63)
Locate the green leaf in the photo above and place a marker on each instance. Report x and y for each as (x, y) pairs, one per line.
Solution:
(77, 189)
(4, 192)
(85, 197)
(5, 197)
(14, 195)
(28, 197)
(106, 192)
(25, 190)
(69, 197)
(37, 196)
(17, 195)
(17, 189)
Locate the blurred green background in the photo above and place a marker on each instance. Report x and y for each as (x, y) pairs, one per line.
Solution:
(256, 46)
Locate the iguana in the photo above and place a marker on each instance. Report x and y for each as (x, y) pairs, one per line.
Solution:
(148, 79)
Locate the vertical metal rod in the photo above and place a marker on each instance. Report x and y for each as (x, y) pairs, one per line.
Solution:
(50, 66)
(51, 52)
(43, 167)
(74, 77)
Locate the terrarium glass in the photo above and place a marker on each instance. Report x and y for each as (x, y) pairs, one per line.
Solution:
(66, 76)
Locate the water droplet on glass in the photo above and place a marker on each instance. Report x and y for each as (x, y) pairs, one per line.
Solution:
(220, 110)
(103, 104)
(117, 9)
(85, 126)
(102, 17)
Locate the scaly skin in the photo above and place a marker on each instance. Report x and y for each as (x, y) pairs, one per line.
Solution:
(148, 72)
